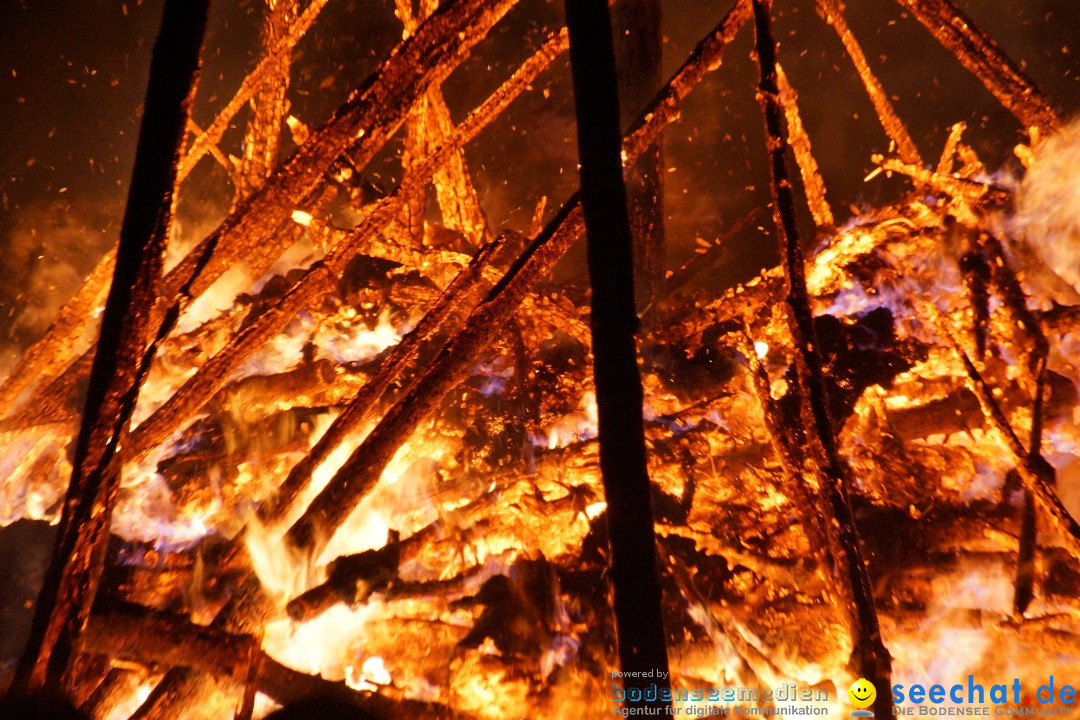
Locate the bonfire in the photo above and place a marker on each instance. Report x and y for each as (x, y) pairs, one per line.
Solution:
(368, 445)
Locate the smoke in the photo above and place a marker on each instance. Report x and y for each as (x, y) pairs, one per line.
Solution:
(1048, 204)
(46, 255)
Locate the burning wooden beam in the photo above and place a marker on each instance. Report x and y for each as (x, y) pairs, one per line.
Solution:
(262, 142)
(869, 656)
(446, 315)
(978, 52)
(269, 63)
(833, 12)
(360, 473)
(813, 183)
(321, 277)
(122, 357)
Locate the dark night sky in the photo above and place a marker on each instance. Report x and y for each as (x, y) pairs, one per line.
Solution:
(72, 75)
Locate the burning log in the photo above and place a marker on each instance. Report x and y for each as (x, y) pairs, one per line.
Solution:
(1029, 334)
(372, 113)
(1034, 345)
(50, 355)
(118, 684)
(959, 411)
(351, 579)
(169, 641)
(215, 152)
(431, 126)
(154, 638)
(362, 470)
(970, 191)
(784, 442)
(314, 383)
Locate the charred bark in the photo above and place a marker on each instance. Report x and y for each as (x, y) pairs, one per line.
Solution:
(631, 533)
(869, 657)
(120, 363)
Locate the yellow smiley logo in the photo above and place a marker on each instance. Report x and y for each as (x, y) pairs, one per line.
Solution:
(862, 693)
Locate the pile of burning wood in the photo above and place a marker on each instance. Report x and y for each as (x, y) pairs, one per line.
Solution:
(364, 461)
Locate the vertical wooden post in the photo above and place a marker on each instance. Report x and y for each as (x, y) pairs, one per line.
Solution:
(71, 580)
(638, 614)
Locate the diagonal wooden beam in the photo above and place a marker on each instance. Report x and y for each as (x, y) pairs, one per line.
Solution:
(869, 657)
(262, 142)
(362, 470)
(833, 12)
(121, 360)
(205, 142)
(813, 183)
(249, 235)
(984, 59)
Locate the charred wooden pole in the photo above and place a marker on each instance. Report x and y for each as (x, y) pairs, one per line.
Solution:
(869, 657)
(631, 533)
(71, 580)
(1036, 474)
